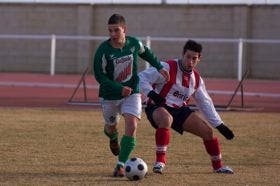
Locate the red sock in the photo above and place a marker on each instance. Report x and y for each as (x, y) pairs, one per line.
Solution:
(213, 149)
(162, 141)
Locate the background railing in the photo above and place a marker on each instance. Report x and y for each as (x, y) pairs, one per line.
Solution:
(148, 41)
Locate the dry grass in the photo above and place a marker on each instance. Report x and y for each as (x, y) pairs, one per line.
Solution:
(67, 147)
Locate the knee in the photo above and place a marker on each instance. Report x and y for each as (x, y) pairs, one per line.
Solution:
(162, 118)
(110, 128)
(165, 121)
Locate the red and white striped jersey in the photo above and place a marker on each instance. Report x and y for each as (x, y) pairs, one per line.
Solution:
(179, 89)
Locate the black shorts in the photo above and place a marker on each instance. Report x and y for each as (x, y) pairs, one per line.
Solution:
(179, 116)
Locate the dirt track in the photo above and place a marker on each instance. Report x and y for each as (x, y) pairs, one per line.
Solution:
(42, 90)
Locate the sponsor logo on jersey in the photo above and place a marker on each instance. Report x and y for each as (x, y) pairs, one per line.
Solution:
(123, 68)
(180, 95)
(123, 76)
(123, 59)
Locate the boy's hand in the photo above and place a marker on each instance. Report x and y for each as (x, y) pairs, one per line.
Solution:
(225, 131)
(126, 91)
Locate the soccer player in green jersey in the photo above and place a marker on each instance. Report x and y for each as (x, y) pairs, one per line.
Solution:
(115, 69)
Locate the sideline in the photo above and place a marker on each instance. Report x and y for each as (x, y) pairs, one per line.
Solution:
(95, 87)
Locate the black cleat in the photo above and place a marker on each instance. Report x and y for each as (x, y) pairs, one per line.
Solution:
(115, 147)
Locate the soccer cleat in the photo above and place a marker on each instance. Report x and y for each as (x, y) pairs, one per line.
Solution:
(224, 170)
(119, 171)
(115, 147)
(158, 167)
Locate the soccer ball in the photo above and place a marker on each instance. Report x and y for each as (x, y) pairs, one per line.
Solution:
(135, 169)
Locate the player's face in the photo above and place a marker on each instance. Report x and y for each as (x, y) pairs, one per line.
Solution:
(117, 33)
(190, 60)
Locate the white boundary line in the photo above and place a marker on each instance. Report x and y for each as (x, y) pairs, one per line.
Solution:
(260, 94)
(43, 85)
(64, 85)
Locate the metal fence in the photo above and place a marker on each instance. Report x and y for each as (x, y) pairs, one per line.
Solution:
(239, 43)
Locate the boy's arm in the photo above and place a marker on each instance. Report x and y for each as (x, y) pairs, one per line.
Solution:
(147, 55)
(148, 78)
(206, 106)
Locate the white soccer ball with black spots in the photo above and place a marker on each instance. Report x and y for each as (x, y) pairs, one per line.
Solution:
(135, 169)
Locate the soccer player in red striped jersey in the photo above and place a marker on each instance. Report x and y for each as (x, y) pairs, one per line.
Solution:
(167, 107)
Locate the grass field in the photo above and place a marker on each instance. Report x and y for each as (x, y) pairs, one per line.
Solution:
(67, 147)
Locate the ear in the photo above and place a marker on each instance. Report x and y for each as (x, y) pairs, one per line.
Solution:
(124, 28)
(183, 54)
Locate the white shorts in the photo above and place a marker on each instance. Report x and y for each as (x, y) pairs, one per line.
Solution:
(113, 109)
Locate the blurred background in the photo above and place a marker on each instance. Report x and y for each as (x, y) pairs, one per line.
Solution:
(61, 36)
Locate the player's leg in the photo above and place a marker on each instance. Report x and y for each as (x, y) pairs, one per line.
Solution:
(111, 118)
(112, 133)
(131, 108)
(199, 127)
(161, 119)
(196, 125)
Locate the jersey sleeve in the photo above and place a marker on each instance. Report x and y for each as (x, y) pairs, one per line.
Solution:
(146, 54)
(206, 106)
(150, 77)
(99, 66)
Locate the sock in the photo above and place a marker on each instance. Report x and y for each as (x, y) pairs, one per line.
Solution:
(119, 164)
(162, 140)
(127, 145)
(213, 149)
(113, 136)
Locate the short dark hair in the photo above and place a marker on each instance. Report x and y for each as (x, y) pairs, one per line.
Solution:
(116, 19)
(193, 46)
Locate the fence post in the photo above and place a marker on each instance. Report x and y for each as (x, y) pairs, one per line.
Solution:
(240, 56)
(148, 44)
(53, 49)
